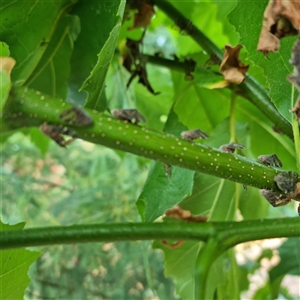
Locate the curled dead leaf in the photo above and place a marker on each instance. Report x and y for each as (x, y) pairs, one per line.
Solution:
(281, 19)
(172, 246)
(178, 213)
(135, 63)
(7, 64)
(231, 67)
(143, 17)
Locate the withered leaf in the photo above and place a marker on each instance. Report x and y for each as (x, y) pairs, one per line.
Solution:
(231, 67)
(178, 213)
(281, 19)
(143, 17)
(135, 63)
(172, 246)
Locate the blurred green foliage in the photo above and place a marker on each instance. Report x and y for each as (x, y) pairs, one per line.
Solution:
(84, 184)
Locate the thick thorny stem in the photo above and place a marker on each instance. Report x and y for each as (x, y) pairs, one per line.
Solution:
(29, 108)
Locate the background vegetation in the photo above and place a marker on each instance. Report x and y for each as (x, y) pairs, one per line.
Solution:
(63, 46)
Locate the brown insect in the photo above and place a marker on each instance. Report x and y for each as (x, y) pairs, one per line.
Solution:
(271, 160)
(131, 115)
(231, 147)
(191, 135)
(286, 181)
(76, 116)
(275, 199)
(56, 134)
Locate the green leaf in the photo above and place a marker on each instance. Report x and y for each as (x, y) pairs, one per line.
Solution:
(14, 266)
(248, 23)
(25, 27)
(202, 15)
(4, 49)
(223, 9)
(180, 265)
(289, 264)
(228, 287)
(40, 140)
(208, 79)
(51, 74)
(100, 26)
(211, 195)
(155, 106)
(262, 293)
(159, 193)
(261, 129)
(198, 107)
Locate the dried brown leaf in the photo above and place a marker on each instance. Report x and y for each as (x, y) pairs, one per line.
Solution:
(172, 246)
(281, 19)
(231, 67)
(143, 17)
(178, 213)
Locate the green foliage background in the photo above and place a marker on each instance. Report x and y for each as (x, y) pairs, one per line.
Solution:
(70, 54)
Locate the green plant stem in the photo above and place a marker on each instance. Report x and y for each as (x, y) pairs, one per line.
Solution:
(208, 253)
(227, 234)
(250, 89)
(232, 118)
(295, 126)
(175, 65)
(29, 108)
